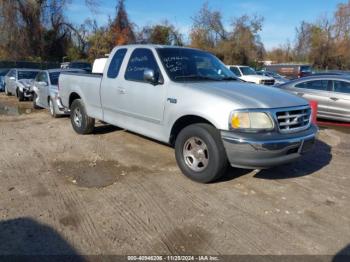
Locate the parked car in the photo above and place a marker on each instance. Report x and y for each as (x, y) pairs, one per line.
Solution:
(3, 72)
(189, 99)
(45, 90)
(77, 65)
(248, 74)
(290, 71)
(278, 78)
(332, 92)
(19, 82)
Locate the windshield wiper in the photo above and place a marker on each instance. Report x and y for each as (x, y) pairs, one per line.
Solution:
(197, 77)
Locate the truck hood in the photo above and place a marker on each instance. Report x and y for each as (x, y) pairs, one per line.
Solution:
(250, 96)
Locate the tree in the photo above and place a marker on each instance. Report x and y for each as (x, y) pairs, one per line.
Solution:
(100, 41)
(162, 34)
(207, 29)
(244, 46)
(36, 29)
(121, 27)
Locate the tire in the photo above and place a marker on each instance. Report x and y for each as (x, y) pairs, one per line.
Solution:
(35, 106)
(52, 109)
(20, 95)
(209, 161)
(7, 92)
(81, 122)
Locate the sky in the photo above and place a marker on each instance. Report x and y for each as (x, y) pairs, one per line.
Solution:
(281, 17)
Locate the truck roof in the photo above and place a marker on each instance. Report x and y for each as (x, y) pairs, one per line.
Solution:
(154, 46)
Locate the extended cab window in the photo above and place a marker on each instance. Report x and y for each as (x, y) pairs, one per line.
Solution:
(116, 63)
(140, 60)
(342, 87)
(321, 85)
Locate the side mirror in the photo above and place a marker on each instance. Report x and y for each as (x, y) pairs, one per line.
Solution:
(12, 78)
(42, 83)
(150, 76)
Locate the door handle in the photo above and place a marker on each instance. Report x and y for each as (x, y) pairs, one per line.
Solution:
(300, 94)
(334, 98)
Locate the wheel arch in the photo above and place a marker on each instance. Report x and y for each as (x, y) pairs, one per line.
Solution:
(183, 122)
(73, 96)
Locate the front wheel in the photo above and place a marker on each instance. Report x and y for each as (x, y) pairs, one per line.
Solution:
(52, 108)
(7, 91)
(35, 105)
(81, 122)
(200, 153)
(20, 95)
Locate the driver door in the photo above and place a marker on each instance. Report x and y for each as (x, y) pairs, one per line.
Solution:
(143, 100)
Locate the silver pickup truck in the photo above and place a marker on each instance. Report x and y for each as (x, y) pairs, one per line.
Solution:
(190, 100)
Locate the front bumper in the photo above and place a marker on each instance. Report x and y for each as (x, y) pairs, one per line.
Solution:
(28, 92)
(261, 151)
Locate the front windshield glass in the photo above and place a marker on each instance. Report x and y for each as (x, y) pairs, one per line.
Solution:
(27, 74)
(193, 65)
(247, 70)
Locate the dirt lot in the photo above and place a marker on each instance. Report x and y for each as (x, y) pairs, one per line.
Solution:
(115, 192)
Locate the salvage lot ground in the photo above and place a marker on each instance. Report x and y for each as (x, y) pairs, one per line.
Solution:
(115, 192)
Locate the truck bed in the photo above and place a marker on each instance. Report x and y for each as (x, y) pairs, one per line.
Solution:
(86, 86)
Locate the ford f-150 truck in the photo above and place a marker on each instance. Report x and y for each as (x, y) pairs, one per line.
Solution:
(189, 99)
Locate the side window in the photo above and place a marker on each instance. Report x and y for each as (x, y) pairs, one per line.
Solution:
(321, 85)
(45, 78)
(342, 87)
(116, 63)
(39, 77)
(235, 70)
(140, 60)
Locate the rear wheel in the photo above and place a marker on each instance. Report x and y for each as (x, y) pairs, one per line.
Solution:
(81, 122)
(200, 153)
(52, 108)
(35, 97)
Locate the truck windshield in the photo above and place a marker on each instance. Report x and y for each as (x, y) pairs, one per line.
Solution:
(247, 71)
(183, 64)
(27, 74)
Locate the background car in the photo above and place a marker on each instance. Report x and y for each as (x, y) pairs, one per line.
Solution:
(249, 75)
(278, 78)
(332, 92)
(77, 65)
(45, 88)
(3, 72)
(19, 81)
(291, 71)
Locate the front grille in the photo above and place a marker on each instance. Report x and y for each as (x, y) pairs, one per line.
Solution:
(293, 120)
(268, 82)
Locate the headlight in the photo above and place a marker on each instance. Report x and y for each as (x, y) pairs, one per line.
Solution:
(251, 121)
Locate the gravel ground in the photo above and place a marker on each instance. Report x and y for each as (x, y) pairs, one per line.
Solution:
(115, 192)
